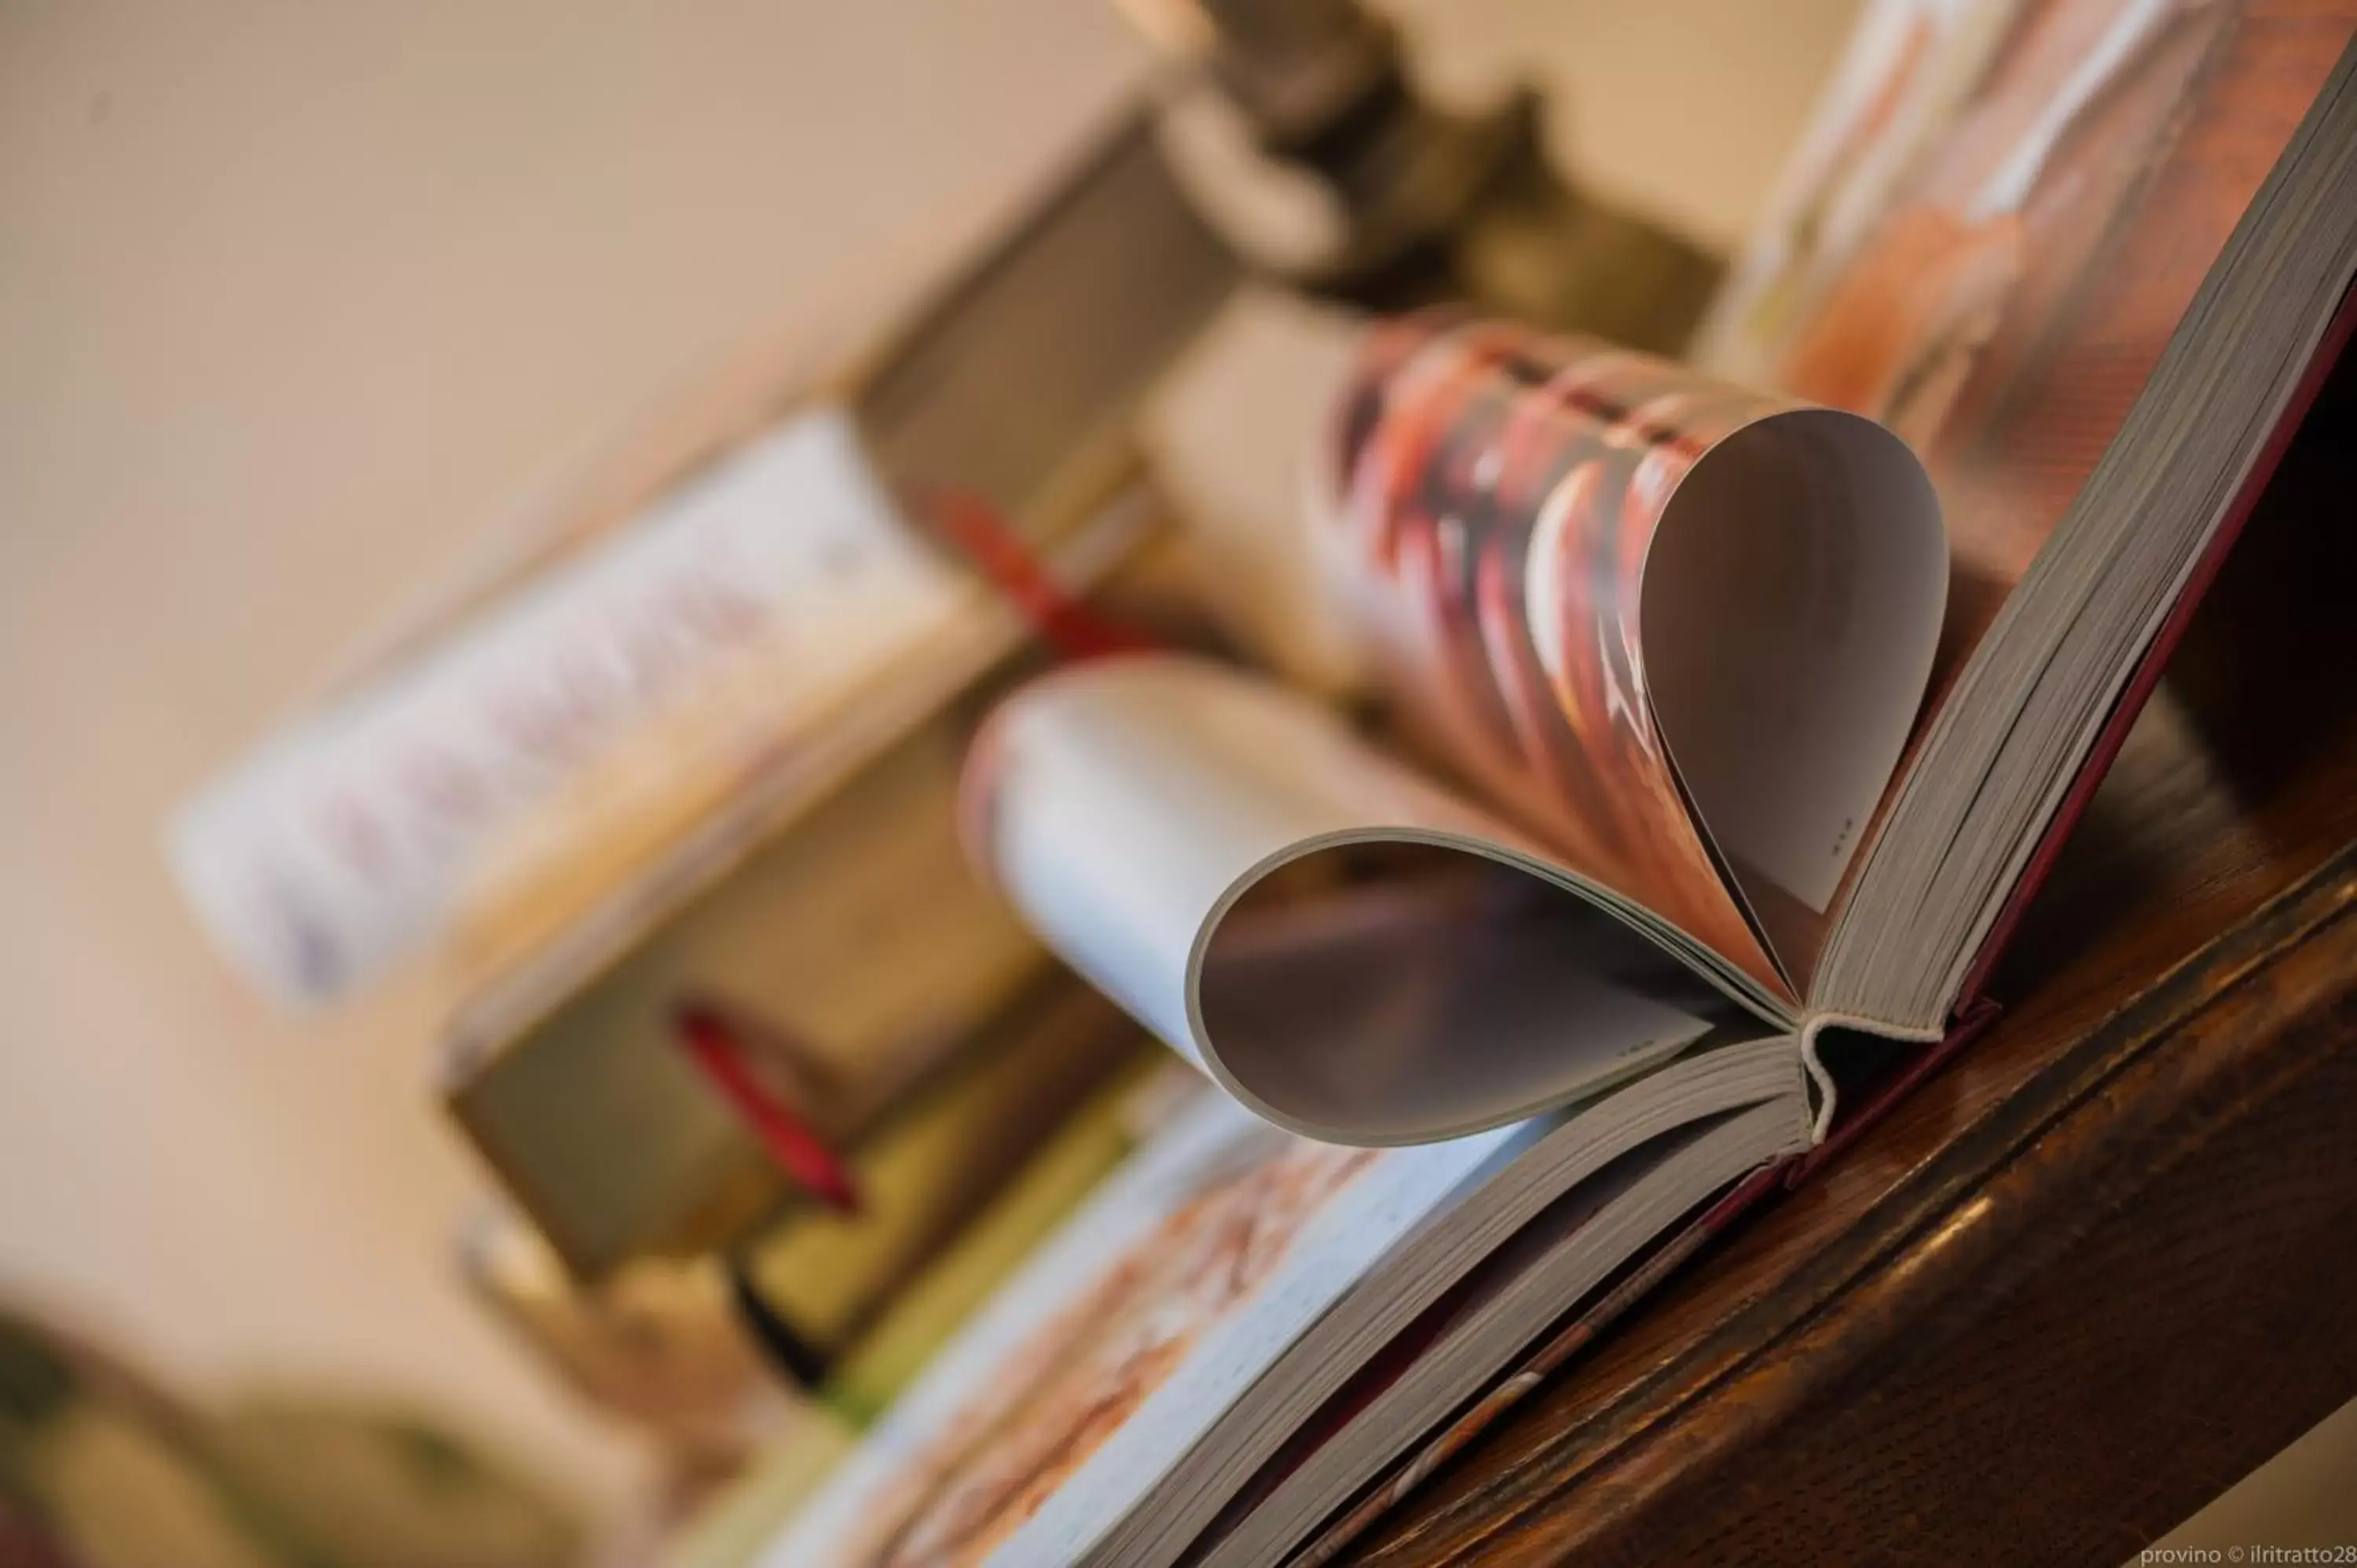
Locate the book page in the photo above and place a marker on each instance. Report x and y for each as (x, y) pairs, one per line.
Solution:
(1188, 1235)
(1678, 628)
(2000, 226)
(1410, 1397)
(1348, 948)
(1992, 230)
(1226, 1282)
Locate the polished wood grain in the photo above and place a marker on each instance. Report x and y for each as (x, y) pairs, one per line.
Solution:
(2103, 1265)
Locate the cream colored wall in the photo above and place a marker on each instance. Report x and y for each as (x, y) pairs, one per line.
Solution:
(292, 298)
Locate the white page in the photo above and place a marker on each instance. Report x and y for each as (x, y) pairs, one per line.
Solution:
(1389, 1247)
(1792, 595)
(1128, 806)
(1556, 1261)
(899, 1466)
(1229, 1273)
(1131, 1201)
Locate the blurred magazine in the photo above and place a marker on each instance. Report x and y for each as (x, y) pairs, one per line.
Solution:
(1738, 701)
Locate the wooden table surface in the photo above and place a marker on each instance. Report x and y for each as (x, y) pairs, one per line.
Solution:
(2103, 1265)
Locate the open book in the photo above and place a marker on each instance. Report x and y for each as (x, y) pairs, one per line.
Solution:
(1664, 641)
(1736, 701)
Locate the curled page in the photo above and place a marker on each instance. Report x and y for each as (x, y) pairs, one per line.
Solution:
(1198, 843)
(1678, 628)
